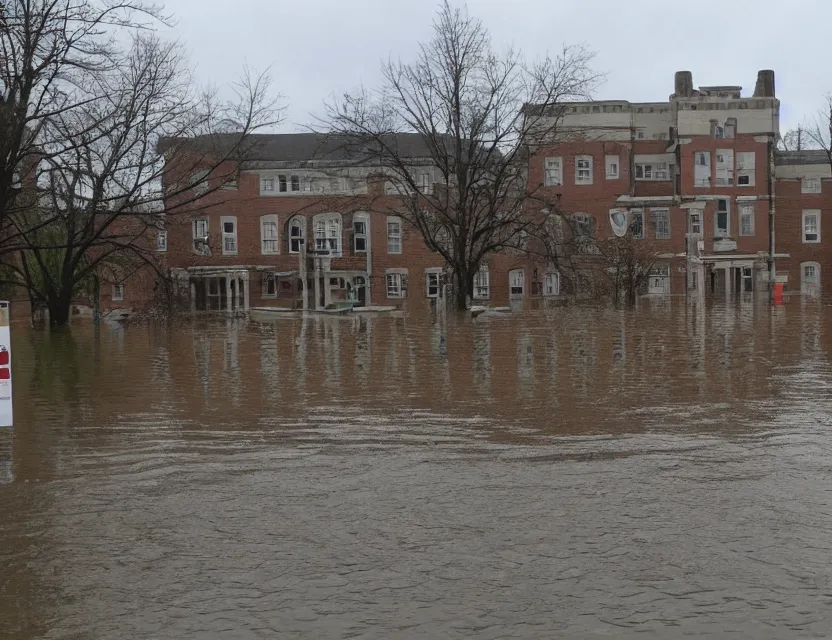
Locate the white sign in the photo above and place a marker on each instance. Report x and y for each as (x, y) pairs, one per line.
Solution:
(5, 367)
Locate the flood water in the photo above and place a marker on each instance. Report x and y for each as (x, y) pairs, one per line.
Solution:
(569, 473)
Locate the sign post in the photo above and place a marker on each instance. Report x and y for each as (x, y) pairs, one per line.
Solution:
(5, 367)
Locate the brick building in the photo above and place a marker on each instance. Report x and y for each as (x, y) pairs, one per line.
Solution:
(697, 175)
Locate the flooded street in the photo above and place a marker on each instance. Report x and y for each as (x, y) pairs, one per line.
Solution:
(574, 472)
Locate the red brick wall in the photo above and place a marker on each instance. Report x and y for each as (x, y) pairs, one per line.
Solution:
(788, 232)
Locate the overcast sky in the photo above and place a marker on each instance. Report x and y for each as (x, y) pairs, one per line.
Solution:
(316, 47)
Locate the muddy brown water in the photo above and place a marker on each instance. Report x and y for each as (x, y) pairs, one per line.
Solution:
(661, 472)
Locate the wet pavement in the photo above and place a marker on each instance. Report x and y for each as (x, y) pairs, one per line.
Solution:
(662, 472)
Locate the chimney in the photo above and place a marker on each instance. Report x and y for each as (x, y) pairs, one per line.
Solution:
(765, 84)
(684, 84)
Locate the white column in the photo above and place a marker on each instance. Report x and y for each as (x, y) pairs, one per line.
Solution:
(327, 287)
(193, 295)
(228, 299)
(246, 300)
(317, 272)
(302, 277)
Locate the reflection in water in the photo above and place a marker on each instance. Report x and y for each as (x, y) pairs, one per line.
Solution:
(663, 470)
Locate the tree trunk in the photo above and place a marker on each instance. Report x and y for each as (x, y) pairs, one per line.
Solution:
(59, 307)
(462, 287)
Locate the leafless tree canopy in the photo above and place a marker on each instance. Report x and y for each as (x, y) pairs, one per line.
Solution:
(475, 109)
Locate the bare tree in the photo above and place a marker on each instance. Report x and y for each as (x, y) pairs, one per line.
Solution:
(471, 106)
(100, 199)
(818, 132)
(626, 263)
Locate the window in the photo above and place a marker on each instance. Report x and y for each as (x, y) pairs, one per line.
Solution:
(583, 170)
(730, 127)
(267, 184)
(611, 167)
(295, 182)
(653, 171)
(721, 219)
(200, 235)
(359, 234)
(281, 184)
(810, 185)
(746, 161)
(724, 167)
(637, 223)
(269, 284)
(394, 235)
(328, 233)
(551, 284)
(432, 280)
(516, 283)
(162, 241)
(640, 135)
(809, 278)
(719, 131)
(396, 285)
(552, 172)
(268, 235)
(296, 234)
(695, 222)
(482, 283)
(424, 183)
(811, 225)
(229, 235)
(661, 220)
(747, 280)
(199, 182)
(118, 292)
(702, 169)
(747, 220)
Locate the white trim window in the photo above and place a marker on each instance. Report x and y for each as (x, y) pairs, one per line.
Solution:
(297, 233)
(228, 225)
(162, 241)
(433, 281)
(702, 169)
(118, 292)
(583, 169)
(637, 223)
(482, 283)
(328, 233)
(652, 171)
(267, 185)
(360, 232)
(811, 226)
(268, 284)
(396, 283)
(551, 283)
(552, 172)
(747, 219)
(269, 244)
(661, 221)
(722, 219)
(516, 283)
(810, 185)
(200, 235)
(746, 168)
(611, 167)
(695, 221)
(809, 278)
(725, 167)
(394, 235)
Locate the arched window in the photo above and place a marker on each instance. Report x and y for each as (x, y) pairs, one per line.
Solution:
(328, 232)
(297, 232)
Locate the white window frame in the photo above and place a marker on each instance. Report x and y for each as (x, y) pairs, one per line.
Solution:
(517, 280)
(200, 224)
(269, 221)
(727, 233)
(364, 219)
(228, 236)
(551, 283)
(808, 213)
(725, 167)
(747, 212)
(811, 185)
(267, 185)
(703, 180)
(636, 213)
(395, 281)
(553, 171)
(695, 220)
(646, 171)
(161, 241)
(267, 276)
(810, 286)
(583, 169)
(664, 215)
(328, 231)
(434, 273)
(746, 168)
(118, 292)
(296, 222)
(482, 283)
(394, 237)
(612, 167)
